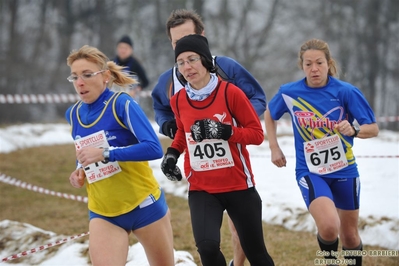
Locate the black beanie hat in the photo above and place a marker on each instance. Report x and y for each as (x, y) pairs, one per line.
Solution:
(193, 43)
(126, 39)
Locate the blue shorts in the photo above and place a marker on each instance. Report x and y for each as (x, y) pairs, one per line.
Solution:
(149, 211)
(344, 192)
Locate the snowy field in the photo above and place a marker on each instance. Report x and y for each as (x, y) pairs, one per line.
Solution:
(282, 202)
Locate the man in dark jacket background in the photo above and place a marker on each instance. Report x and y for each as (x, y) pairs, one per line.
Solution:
(125, 57)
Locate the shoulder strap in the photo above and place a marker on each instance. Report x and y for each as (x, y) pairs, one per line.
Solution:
(219, 70)
(177, 102)
(117, 118)
(226, 99)
(71, 113)
(169, 87)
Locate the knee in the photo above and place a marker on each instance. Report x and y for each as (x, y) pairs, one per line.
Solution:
(329, 230)
(350, 239)
(208, 249)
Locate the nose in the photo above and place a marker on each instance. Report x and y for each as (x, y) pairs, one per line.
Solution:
(79, 81)
(314, 67)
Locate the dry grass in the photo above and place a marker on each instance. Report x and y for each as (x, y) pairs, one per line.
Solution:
(50, 167)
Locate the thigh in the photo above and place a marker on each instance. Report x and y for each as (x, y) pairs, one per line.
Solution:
(108, 243)
(242, 203)
(245, 210)
(314, 186)
(346, 193)
(206, 216)
(157, 240)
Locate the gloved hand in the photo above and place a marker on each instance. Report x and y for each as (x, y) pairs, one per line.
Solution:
(168, 165)
(210, 129)
(169, 128)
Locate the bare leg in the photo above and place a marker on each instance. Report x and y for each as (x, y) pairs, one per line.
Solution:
(239, 256)
(108, 243)
(157, 240)
(326, 217)
(349, 233)
(327, 221)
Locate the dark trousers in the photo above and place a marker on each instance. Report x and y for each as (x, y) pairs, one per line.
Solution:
(245, 210)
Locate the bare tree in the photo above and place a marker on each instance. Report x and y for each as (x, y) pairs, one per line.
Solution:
(264, 36)
(364, 32)
(11, 71)
(240, 32)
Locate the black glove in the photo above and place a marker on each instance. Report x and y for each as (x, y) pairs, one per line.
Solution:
(168, 165)
(169, 128)
(210, 129)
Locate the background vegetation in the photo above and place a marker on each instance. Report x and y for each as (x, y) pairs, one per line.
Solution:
(36, 37)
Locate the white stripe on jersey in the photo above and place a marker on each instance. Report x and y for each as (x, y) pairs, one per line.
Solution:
(242, 159)
(303, 183)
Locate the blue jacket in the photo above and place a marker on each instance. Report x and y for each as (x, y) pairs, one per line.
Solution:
(228, 69)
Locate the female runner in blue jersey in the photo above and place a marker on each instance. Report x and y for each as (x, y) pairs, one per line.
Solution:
(124, 196)
(327, 114)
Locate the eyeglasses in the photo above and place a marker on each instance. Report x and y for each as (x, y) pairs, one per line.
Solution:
(84, 76)
(191, 61)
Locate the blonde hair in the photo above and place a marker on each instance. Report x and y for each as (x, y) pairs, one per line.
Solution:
(92, 54)
(316, 44)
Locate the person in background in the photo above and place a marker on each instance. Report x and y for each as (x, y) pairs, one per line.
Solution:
(327, 114)
(123, 193)
(215, 122)
(180, 23)
(125, 57)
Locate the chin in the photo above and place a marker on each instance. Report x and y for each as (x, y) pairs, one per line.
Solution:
(85, 100)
